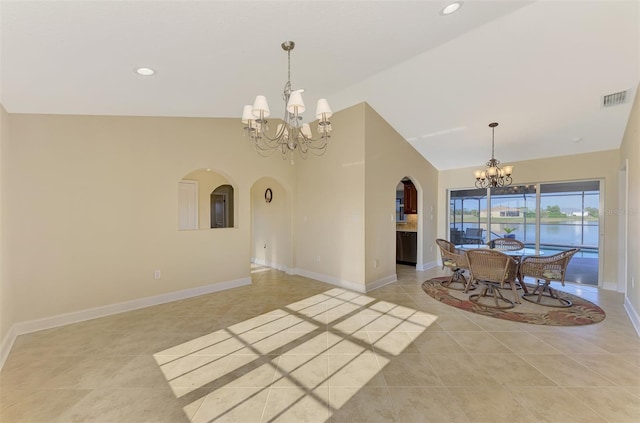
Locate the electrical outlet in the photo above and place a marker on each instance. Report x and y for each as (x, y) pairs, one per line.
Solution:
(318, 259)
(633, 281)
(157, 274)
(376, 263)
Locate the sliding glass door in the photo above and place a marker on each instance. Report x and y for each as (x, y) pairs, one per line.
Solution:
(569, 218)
(465, 214)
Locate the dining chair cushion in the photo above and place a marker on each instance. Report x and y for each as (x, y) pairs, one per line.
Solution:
(552, 274)
(450, 263)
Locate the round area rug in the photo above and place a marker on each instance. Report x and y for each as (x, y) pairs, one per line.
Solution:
(582, 312)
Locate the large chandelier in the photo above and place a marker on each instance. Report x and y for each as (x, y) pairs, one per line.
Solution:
(291, 134)
(493, 176)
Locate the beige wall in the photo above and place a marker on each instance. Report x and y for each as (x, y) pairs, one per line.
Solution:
(630, 158)
(6, 297)
(389, 158)
(601, 165)
(329, 205)
(93, 208)
(271, 225)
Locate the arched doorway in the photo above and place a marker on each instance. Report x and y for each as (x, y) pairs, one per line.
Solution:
(221, 201)
(271, 234)
(406, 222)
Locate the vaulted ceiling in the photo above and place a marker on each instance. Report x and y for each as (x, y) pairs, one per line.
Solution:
(539, 68)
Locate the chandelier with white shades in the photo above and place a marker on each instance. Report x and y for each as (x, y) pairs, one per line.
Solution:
(493, 175)
(291, 134)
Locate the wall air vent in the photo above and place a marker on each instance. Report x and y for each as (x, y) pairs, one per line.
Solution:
(614, 99)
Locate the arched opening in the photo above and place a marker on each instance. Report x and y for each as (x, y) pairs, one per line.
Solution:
(221, 210)
(271, 243)
(205, 201)
(406, 222)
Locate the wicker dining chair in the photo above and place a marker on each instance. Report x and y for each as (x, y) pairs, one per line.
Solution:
(495, 270)
(547, 269)
(473, 236)
(456, 260)
(506, 244)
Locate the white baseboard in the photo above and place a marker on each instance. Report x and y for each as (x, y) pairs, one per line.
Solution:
(7, 344)
(633, 314)
(427, 266)
(381, 282)
(358, 287)
(103, 311)
(610, 286)
(273, 265)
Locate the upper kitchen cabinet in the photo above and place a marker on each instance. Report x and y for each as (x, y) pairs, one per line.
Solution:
(410, 198)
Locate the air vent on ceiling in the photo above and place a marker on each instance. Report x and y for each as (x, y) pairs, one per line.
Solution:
(614, 99)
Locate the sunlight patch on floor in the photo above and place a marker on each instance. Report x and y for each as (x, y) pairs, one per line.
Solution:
(282, 364)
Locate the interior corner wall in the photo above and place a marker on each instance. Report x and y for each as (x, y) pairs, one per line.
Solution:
(92, 203)
(630, 151)
(6, 295)
(389, 158)
(271, 225)
(599, 165)
(329, 206)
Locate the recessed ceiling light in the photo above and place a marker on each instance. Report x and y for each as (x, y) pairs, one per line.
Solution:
(145, 71)
(449, 9)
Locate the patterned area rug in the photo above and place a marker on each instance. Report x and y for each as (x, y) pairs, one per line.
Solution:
(582, 312)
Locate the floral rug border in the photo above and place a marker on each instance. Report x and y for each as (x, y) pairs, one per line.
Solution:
(582, 312)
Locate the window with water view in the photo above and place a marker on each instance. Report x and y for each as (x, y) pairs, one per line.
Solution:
(567, 216)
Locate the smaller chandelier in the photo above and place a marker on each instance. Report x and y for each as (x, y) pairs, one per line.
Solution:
(493, 176)
(291, 134)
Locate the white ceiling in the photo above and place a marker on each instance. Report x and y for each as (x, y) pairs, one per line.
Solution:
(538, 68)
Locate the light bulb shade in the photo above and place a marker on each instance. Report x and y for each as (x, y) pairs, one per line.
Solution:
(306, 130)
(508, 170)
(295, 101)
(323, 111)
(246, 113)
(492, 171)
(478, 174)
(261, 105)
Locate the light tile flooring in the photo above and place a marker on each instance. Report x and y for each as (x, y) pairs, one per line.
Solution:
(292, 349)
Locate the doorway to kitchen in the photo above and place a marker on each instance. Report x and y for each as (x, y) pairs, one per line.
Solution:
(406, 222)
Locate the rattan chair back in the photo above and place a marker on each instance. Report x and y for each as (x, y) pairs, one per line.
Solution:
(550, 268)
(451, 256)
(491, 266)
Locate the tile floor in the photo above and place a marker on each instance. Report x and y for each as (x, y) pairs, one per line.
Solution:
(292, 349)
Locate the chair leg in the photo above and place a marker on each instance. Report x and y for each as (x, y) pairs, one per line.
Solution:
(458, 278)
(469, 286)
(545, 290)
(489, 291)
(516, 297)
